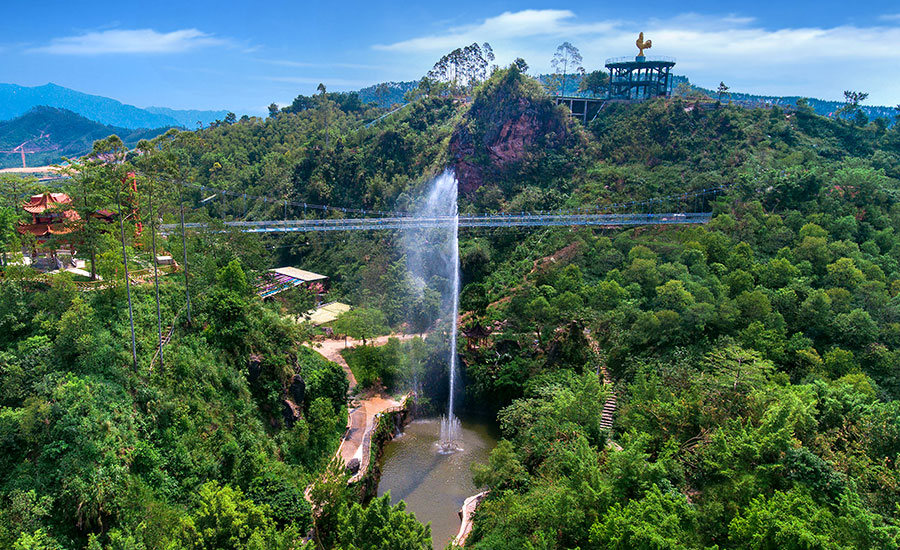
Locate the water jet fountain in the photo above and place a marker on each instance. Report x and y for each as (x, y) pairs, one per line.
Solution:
(429, 467)
(440, 257)
(450, 441)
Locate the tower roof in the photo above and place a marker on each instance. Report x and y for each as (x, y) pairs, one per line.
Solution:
(39, 203)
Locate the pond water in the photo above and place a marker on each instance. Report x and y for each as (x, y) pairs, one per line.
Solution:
(432, 484)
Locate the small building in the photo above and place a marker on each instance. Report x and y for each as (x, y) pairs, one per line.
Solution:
(104, 215)
(285, 278)
(476, 336)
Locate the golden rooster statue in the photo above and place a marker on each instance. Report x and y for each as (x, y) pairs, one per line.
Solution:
(642, 45)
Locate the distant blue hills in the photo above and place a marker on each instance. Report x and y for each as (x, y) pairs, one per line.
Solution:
(73, 119)
(48, 134)
(17, 100)
(822, 107)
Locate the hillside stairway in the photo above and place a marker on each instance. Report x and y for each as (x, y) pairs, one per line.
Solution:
(609, 407)
(167, 335)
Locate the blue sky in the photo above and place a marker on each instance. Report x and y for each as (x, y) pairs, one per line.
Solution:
(241, 56)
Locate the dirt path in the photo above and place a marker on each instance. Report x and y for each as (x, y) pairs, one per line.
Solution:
(331, 350)
(30, 170)
(361, 417)
(563, 254)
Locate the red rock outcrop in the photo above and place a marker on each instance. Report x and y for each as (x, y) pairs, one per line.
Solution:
(510, 121)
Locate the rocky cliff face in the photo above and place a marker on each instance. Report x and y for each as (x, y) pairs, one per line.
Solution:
(511, 122)
(462, 151)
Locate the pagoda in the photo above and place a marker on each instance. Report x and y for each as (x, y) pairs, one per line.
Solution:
(49, 216)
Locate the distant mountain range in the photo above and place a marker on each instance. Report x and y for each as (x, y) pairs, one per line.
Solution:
(822, 107)
(17, 100)
(49, 134)
(57, 121)
(188, 118)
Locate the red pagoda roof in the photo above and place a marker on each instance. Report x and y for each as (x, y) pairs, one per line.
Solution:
(44, 229)
(105, 215)
(39, 203)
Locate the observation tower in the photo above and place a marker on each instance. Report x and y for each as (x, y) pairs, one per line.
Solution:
(640, 77)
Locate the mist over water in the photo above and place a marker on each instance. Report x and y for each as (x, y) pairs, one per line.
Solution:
(432, 257)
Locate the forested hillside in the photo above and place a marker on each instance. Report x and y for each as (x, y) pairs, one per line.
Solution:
(754, 358)
(48, 135)
(98, 454)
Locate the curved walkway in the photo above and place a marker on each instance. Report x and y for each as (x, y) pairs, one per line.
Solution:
(361, 418)
(362, 421)
(466, 514)
(331, 349)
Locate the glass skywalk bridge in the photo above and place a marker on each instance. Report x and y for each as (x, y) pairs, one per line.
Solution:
(479, 220)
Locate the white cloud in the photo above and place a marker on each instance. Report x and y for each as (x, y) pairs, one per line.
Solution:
(321, 65)
(520, 24)
(339, 82)
(890, 17)
(137, 41)
(808, 61)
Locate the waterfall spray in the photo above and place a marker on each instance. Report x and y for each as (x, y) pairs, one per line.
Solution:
(433, 254)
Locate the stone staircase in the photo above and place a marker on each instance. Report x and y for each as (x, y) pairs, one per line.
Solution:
(609, 407)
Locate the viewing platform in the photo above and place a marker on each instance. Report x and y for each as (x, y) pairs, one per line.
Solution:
(640, 77)
(582, 108)
(635, 60)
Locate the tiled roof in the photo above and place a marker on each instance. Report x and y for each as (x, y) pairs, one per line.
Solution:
(39, 203)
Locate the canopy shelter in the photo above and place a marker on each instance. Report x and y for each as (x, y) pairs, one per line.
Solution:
(326, 313)
(285, 278)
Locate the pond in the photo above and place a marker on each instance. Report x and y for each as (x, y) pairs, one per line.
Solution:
(432, 484)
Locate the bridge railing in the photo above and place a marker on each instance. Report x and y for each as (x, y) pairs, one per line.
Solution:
(645, 59)
(477, 220)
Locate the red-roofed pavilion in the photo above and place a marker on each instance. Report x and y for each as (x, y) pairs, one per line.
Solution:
(48, 215)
